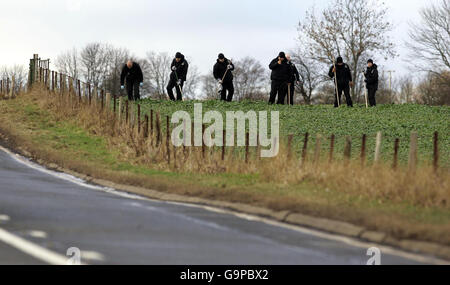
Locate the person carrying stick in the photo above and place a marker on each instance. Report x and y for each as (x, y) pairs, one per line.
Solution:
(340, 72)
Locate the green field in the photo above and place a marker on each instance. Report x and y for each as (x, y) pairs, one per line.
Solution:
(394, 121)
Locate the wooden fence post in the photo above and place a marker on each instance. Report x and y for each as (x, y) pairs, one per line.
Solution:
(224, 135)
(13, 86)
(305, 147)
(363, 149)
(378, 147)
(435, 151)
(120, 110)
(139, 117)
(79, 91)
(396, 146)
(168, 139)
(412, 162)
(108, 101)
(246, 147)
(158, 130)
(203, 141)
(146, 126)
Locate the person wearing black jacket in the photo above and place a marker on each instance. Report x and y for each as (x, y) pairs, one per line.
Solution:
(281, 74)
(344, 81)
(295, 78)
(179, 69)
(223, 74)
(132, 75)
(371, 75)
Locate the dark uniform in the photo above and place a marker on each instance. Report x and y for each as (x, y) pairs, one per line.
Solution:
(344, 77)
(133, 77)
(281, 74)
(219, 70)
(295, 77)
(177, 76)
(371, 76)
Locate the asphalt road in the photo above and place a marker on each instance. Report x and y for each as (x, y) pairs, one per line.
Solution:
(56, 212)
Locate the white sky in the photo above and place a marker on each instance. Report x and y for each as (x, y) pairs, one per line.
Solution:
(200, 29)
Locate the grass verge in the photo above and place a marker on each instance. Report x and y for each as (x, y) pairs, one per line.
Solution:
(405, 207)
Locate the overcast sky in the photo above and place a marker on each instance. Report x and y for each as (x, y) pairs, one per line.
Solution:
(198, 28)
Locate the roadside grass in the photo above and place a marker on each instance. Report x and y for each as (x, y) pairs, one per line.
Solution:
(404, 206)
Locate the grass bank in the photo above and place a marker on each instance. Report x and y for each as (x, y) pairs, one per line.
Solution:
(91, 142)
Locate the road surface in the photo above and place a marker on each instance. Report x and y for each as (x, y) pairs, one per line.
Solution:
(44, 213)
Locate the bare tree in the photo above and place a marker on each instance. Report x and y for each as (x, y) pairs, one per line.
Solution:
(430, 39)
(209, 86)
(68, 63)
(311, 74)
(250, 79)
(353, 29)
(94, 62)
(116, 58)
(434, 89)
(19, 73)
(191, 86)
(406, 89)
(158, 73)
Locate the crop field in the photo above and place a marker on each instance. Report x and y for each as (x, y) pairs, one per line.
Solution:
(394, 121)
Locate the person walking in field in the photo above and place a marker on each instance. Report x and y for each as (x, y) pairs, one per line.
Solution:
(132, 75)
(280, 76)
(371, 75)
(179, 69)
(222, 72)
(295, 79)
(343, 80)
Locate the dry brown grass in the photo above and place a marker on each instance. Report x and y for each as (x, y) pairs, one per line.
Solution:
(423, 187)
(366, 195)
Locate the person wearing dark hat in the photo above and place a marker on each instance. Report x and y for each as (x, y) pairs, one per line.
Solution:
(343, 79)
(295, 78)
(280, 76)
(179, 69)
(371, 75)
(222, 72)
(131, 75)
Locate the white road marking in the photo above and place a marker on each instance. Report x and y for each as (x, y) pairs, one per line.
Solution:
(32, 249)
(92, 255)
(37, 234)
(347, 240)
(4, 218)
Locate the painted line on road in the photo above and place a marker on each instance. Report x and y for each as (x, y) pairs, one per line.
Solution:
(347, 240)
(32, 249)
(4, 218)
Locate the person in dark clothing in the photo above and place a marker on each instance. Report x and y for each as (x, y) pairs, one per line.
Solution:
(179, 69)
(344, 81)
(132, 75)
(223, 74)
(371, 75)
(295, 78)
(281, 74)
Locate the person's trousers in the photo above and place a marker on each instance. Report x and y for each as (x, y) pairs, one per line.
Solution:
(348, 98)
(133, 87)
(278, 88)
(227, 87)
(291, 87)
(173, 84)
(371, 94)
